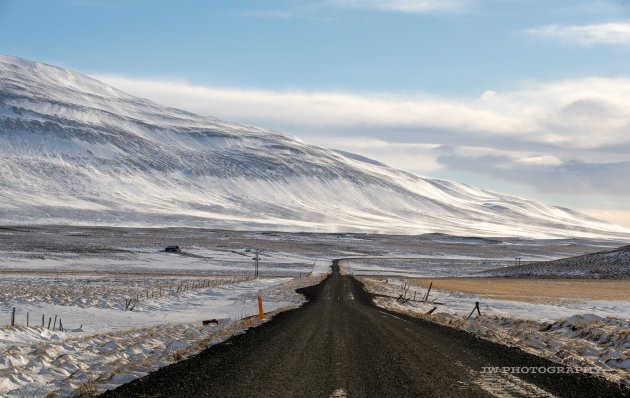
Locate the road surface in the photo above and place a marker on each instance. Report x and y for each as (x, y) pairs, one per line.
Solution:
(339, 344)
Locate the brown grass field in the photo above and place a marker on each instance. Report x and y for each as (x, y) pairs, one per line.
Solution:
(534, 290)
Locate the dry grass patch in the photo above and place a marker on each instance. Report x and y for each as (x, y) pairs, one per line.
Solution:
(88, 389)
(546, 291)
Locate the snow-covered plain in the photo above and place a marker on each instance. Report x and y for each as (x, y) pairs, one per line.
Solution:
(128, 312)
(76, 151)
(87, 275)
(113, 346)
(135, 261)
(232, 300)
(103, 344)
(422, 266)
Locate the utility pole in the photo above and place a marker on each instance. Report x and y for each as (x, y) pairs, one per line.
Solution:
(257, 259)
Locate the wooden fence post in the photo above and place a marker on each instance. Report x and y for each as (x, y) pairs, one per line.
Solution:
(426, 296)
(13, 317)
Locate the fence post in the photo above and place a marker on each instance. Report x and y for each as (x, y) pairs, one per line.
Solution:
(13, 317)
(261, 313)
(426, 296)
(27, 320)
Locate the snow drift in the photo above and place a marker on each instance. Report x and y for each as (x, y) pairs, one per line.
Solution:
(74, 150)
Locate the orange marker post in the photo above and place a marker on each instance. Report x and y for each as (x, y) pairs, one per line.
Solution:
(261, 313)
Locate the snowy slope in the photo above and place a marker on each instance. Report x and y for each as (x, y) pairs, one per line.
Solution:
(605, 264)
(74, 150)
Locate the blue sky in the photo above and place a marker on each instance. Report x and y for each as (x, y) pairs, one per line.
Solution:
(313, 45)
(526, 97)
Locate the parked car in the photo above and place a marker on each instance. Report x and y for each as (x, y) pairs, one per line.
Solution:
(172, 249)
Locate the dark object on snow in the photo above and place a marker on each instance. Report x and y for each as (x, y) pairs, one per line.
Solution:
(173, 249)
(476, 308)
(209, 321)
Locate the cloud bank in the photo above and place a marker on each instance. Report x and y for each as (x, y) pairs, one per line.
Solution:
(605, 33)
(547, 174)
(580, 114)
(406, 6)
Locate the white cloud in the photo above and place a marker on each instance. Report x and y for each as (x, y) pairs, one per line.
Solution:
(544, 173)
(321, 109)
(271, 14)
(584, 113)
(411, 157)
(541, 160)
(619, 217)
(488, 95)
(605, 33)
(407, 6)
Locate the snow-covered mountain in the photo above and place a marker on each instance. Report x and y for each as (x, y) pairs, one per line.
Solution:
(74, 150)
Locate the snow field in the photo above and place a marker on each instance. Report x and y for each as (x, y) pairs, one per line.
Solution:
(104, 346)
(100, 291)
(141, 260)
(417, 266)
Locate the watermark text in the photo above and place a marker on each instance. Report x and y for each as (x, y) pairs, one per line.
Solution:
(542, 369)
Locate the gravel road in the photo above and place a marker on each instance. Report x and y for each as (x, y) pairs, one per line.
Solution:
(339, 344)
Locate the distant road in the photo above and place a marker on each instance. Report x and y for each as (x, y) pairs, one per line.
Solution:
(339, 344)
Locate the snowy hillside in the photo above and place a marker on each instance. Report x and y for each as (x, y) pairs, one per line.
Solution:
(605, 264)
(74, 150)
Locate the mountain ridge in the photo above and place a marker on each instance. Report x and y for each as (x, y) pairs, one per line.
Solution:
(75, 150)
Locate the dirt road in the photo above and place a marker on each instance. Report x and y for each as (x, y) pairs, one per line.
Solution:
(340, 344)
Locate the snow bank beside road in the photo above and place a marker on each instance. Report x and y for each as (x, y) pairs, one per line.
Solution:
(231, 301)
(576, 340)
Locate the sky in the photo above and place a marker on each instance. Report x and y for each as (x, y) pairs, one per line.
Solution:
(524, 97)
